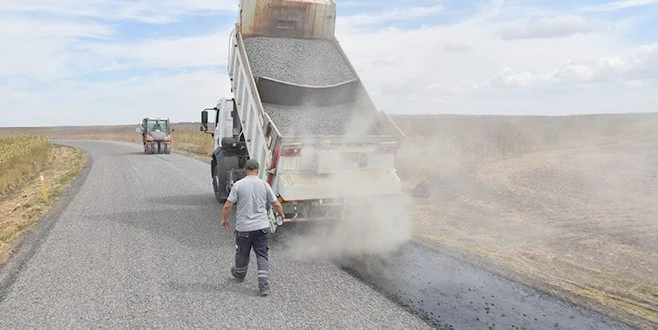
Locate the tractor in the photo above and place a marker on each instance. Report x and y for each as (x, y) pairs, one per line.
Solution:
(156, 135)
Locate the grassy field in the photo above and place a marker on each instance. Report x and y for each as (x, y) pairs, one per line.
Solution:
(565, 204)
(21, 157)
(23, 160)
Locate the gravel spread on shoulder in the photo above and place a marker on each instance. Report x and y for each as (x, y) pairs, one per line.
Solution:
(341, 119)
(298, 61)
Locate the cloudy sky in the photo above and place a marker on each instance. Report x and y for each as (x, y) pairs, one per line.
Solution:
(80, 62)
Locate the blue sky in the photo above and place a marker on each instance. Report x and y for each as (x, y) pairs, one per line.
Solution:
(78, 62)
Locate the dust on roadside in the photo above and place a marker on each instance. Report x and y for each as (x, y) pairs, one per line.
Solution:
(25, 206)
(575, 217)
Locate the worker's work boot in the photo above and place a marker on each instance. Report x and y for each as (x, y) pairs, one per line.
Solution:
(263, 286)
(238, 277)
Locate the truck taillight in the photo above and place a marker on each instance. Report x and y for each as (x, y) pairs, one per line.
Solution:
(291, 151)
(149, 138)
(168, 138)
(387, 148)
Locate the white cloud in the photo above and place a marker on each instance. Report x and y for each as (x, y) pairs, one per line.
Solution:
(429, 76)
(180, 96)
(456, 47)
(149, 11)
(569, 73)
(511, 78)
(634, 83)
(356, 21)
(202, 51)
(26, 28)
(39, 47)
(617, 5)
(554, 27)
(575, 73)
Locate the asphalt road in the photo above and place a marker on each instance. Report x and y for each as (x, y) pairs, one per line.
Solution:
(139, 245)
(451, 294)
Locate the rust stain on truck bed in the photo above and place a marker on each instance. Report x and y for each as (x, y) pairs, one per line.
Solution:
(307, 19)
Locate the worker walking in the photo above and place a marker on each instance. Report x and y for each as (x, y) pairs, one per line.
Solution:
(252, 225)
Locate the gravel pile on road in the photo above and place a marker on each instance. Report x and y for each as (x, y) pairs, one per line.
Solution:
(298, 61)
(341, 119)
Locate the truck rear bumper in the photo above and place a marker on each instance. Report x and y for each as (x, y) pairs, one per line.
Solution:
(334, 210)
(358, 184)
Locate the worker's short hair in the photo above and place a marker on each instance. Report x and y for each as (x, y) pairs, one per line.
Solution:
(251, 164)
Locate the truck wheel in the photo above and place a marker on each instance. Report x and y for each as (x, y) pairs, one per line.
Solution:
(219, 186)
(225, 163)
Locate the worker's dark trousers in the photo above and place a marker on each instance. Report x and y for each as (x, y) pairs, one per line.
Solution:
(258, 240)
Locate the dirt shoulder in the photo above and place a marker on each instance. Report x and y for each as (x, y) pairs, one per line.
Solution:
(25, 206)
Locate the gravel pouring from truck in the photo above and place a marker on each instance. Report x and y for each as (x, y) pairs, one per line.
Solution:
(299, 107)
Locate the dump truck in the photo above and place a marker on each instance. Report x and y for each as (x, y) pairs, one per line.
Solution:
(156, 135)
(299, 107)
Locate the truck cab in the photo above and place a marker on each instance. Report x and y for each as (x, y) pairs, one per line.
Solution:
(229, 149)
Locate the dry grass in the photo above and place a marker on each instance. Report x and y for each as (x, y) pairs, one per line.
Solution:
(21, 158)
(25, 205)
(192, 140)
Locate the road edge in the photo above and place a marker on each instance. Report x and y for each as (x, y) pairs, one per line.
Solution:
(31, 241)
(507, 274)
